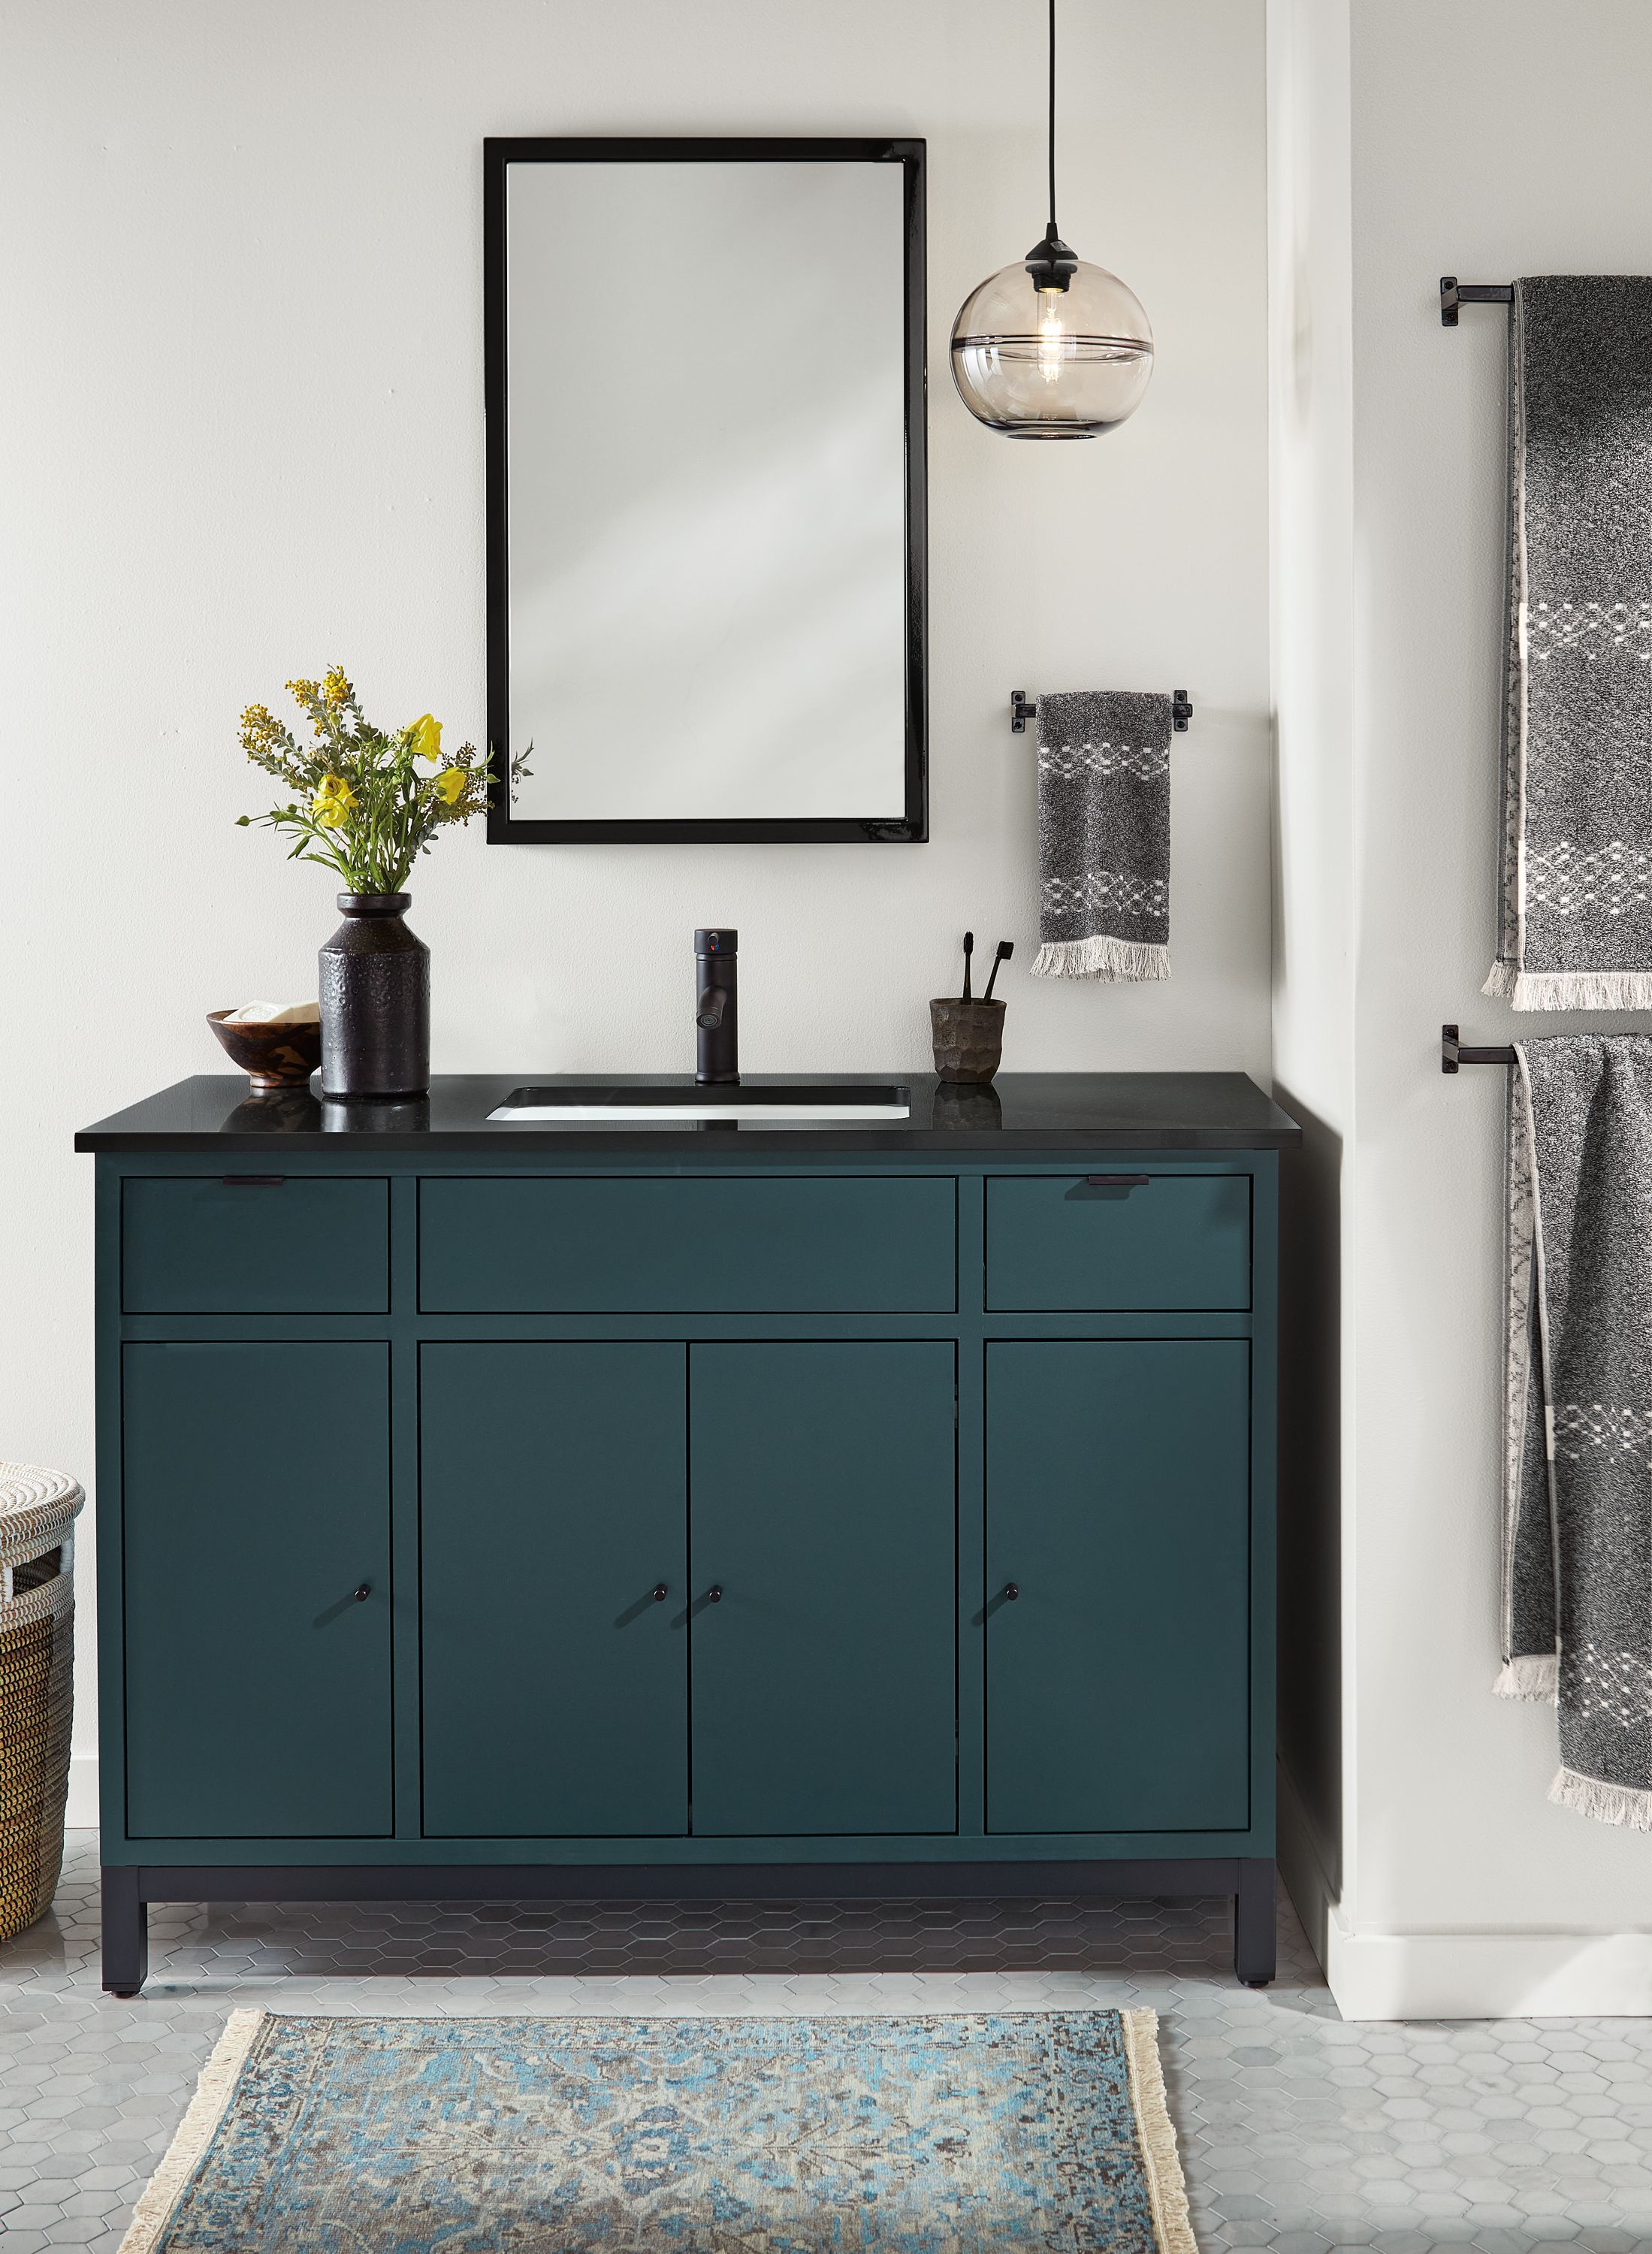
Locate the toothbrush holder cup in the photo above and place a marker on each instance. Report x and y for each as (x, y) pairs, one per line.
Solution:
(967, 1037)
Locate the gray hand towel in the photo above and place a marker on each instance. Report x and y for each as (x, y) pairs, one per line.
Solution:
(1103, 835)
(1575, 929)
(1578, 1464)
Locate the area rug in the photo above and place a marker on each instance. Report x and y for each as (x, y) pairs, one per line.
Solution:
(944, 2135)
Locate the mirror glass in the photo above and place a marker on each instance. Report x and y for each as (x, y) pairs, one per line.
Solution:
(706, 561)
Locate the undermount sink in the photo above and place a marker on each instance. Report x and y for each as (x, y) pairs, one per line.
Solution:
(830, 1103)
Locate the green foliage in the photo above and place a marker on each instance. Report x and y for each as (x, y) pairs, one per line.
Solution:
(364, 802)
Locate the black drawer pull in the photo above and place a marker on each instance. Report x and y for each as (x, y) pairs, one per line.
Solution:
(1118, 1181)
(364, 1592)
(253, 1181)
(660, 1592)
(714, 1595)
(1010, 1593)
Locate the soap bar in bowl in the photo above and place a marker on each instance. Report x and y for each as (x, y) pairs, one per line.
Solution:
(273, 1013)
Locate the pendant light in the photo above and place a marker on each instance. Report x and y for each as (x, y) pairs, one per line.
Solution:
(1051, 348)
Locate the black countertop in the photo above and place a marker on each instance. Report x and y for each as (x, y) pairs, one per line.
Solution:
(1019, 1111)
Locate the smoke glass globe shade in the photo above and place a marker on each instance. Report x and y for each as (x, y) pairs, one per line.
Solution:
(1052, 364)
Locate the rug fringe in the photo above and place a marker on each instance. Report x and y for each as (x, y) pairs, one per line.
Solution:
(1535, 1675)
(1570, 989)
(1607, 1803)
(196, 2131)
(1166, 2192)
(1099, 957)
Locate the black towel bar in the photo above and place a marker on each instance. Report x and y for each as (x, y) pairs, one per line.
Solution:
(1453, 293)
(1181, 711)
(1453, 1052)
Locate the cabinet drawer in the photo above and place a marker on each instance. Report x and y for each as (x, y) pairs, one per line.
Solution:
(212, 1245)
(780, 1245)
(1118, 1242)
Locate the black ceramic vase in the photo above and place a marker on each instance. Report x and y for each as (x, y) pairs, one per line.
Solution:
(375, 1002)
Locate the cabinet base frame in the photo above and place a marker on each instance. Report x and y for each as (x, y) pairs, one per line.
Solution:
(129, 1888)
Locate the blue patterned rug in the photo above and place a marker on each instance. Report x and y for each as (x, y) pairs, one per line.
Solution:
(953, 2135)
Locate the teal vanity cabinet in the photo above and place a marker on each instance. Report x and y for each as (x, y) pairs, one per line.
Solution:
(561, 1511)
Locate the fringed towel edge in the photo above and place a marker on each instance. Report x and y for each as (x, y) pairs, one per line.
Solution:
(196, 2131)
(1570, 989)
(1607, 1803)
(1099, 957)
(1161, 2164)
(1534, 1674)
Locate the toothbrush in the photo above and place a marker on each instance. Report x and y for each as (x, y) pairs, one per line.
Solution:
(1005, 949)
(968, 949)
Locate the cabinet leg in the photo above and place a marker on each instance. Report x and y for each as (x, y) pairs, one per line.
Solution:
(1253, 1946)
(125, 1932)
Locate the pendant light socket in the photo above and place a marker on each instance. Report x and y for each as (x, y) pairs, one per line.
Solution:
(1050, 262)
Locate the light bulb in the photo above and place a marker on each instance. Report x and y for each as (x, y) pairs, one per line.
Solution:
(1051, 336)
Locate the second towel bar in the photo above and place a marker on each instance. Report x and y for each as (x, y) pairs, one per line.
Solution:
(1181, 711)
(1453, 293)
(1454, 1051)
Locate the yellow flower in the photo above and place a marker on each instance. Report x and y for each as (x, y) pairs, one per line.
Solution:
(450, 785)
(258, 727)
(427, 738)
(335, 687)
(333, 801)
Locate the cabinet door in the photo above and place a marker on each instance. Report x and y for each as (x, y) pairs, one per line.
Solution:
(824, 1507)
(552, 1504)
(1118, 1505)
(256, 1502)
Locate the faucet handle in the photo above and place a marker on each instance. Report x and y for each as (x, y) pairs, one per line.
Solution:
(715, 939)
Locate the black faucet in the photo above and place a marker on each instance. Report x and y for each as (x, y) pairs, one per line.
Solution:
(717, 1012)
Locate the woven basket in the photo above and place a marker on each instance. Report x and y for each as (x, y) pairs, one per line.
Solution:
(37, 1511)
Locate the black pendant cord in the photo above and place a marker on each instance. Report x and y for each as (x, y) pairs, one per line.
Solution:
(1052, 228)
(1050, 264)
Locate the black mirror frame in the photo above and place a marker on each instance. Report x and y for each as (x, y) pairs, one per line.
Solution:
(505, 828)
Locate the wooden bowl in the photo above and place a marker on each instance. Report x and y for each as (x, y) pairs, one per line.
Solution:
(271, 1056)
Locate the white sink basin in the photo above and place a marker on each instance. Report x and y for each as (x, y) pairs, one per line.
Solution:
(826, 1103)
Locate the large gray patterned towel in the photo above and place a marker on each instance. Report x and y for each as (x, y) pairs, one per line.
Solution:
(1103, 835)
(1578, 1465)
(1575, 929)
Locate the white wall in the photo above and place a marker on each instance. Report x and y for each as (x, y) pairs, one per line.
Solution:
(1490, 139)
(241, 436)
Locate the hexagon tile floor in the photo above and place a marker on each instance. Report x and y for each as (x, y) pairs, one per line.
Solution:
(1298, 2134)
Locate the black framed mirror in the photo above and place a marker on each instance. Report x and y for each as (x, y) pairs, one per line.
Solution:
(706, 543)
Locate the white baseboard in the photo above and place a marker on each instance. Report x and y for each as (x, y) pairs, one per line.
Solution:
(82, 1810)
(1454, 1976)
(1488, 1976)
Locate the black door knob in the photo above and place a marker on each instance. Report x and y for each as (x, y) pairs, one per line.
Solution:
(714, 1595)
(1010, 1593)
(660, 1592)
(364, 1592)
